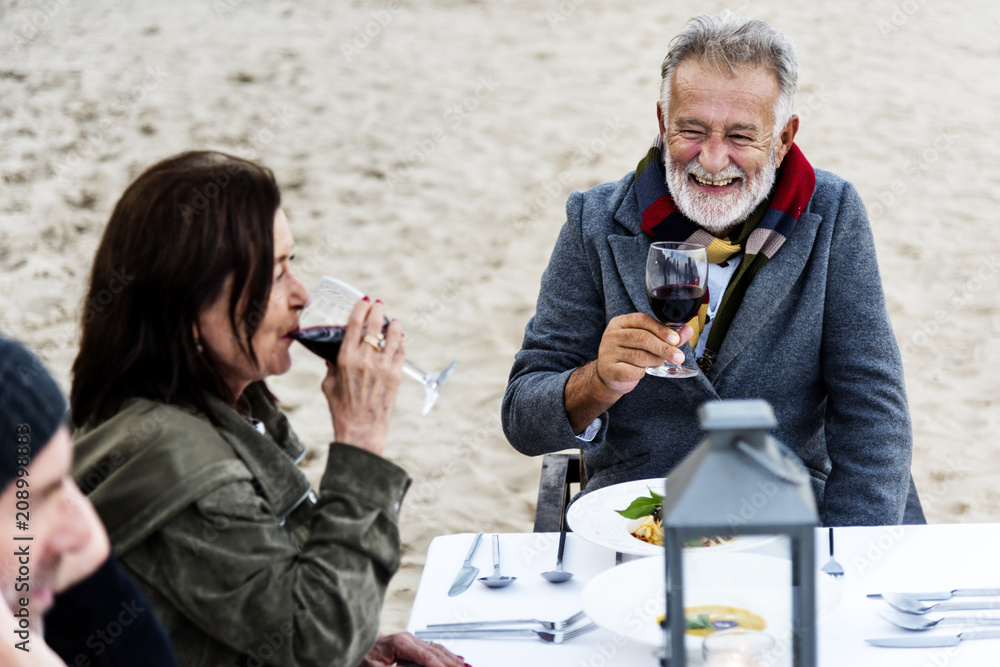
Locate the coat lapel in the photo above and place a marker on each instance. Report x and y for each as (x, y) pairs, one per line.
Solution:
(770, 287)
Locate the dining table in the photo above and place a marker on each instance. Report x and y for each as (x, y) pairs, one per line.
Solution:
(875, 559)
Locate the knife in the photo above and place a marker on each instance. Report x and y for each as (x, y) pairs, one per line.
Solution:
(944, 595)
(468, 573)
(507, 633)
(933, 641)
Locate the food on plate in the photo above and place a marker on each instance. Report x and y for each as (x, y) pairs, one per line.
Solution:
(650, 510)
(650, 530)
(705, 619)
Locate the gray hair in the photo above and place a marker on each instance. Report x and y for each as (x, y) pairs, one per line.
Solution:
(730, 41)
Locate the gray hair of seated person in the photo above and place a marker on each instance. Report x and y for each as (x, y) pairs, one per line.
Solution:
(730, 41)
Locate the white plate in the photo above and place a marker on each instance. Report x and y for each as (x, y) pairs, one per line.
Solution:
(627, 599)
(593, 517)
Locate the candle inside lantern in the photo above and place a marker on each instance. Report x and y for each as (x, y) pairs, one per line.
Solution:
(738, 648)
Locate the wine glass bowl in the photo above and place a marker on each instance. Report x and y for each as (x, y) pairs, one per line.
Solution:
(321, 330)
(676, 284)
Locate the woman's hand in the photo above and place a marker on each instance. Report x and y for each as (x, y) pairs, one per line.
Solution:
(405, 649)
(361, 387)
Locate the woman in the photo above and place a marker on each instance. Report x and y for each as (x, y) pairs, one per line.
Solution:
(186, 455)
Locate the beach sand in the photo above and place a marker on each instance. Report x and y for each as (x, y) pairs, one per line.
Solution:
(425, 152)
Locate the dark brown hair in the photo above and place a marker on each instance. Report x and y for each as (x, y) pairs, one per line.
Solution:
(177, 233)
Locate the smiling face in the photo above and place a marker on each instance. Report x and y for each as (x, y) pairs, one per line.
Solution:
(275, 320)
(722, 153)
(58, 529)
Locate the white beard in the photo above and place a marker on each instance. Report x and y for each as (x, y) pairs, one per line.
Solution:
(718, 213)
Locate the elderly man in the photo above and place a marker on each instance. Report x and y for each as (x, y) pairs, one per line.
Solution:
(795, 312)
(55, 570)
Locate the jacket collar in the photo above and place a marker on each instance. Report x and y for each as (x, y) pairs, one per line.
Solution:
(270, 457)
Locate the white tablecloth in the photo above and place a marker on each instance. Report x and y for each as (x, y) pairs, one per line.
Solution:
(897, 558)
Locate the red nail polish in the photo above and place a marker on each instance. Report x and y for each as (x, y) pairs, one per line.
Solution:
(366, 298)
(378, 300)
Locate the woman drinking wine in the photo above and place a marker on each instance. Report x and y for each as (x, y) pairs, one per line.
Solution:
(189, 460)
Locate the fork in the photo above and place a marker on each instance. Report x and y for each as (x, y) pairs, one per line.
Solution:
(478, 625)
(832, 567)
(557, 637)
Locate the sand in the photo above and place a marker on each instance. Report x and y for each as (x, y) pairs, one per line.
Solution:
(425, 152)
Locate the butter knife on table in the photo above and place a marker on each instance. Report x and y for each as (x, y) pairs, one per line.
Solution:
(468, 573)
(945, 595)
(933, 641)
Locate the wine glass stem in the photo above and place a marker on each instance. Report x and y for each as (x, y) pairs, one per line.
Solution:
(414, 372)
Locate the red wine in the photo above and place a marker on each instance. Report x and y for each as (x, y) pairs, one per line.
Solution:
(324, 341)
(676, 304)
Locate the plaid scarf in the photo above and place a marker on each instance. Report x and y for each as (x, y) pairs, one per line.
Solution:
(759, 236)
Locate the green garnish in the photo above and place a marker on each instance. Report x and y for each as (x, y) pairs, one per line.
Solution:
(643, 506)
(701, 622)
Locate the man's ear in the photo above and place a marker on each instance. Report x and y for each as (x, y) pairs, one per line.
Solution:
(663, 123)
(787, 137)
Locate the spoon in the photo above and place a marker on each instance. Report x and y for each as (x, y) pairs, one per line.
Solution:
(911, 605)
(559, 575)
(495, 580)
(914, 622)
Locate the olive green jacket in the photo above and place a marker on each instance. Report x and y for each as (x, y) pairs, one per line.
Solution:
(243, 563)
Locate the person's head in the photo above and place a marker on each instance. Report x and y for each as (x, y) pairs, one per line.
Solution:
(725, 111)
(191, 289)
(37, 496)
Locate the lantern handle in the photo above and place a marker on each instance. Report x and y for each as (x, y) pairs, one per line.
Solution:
(793, 474)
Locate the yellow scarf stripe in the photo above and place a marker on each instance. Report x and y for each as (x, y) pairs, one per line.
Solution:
(720, 250)
(698, 324)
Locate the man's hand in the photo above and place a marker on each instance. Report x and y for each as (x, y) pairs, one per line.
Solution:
(404, 648)
(630, 344)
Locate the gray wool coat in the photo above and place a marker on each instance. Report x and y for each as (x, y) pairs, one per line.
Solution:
(812, 338)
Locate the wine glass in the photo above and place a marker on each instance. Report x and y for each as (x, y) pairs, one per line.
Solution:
(321, 330)
(676, 280)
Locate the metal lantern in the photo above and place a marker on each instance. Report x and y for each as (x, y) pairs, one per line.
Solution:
(742, 488)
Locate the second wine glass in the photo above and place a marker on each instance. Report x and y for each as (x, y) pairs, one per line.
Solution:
(321, 329)
(676, 280)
